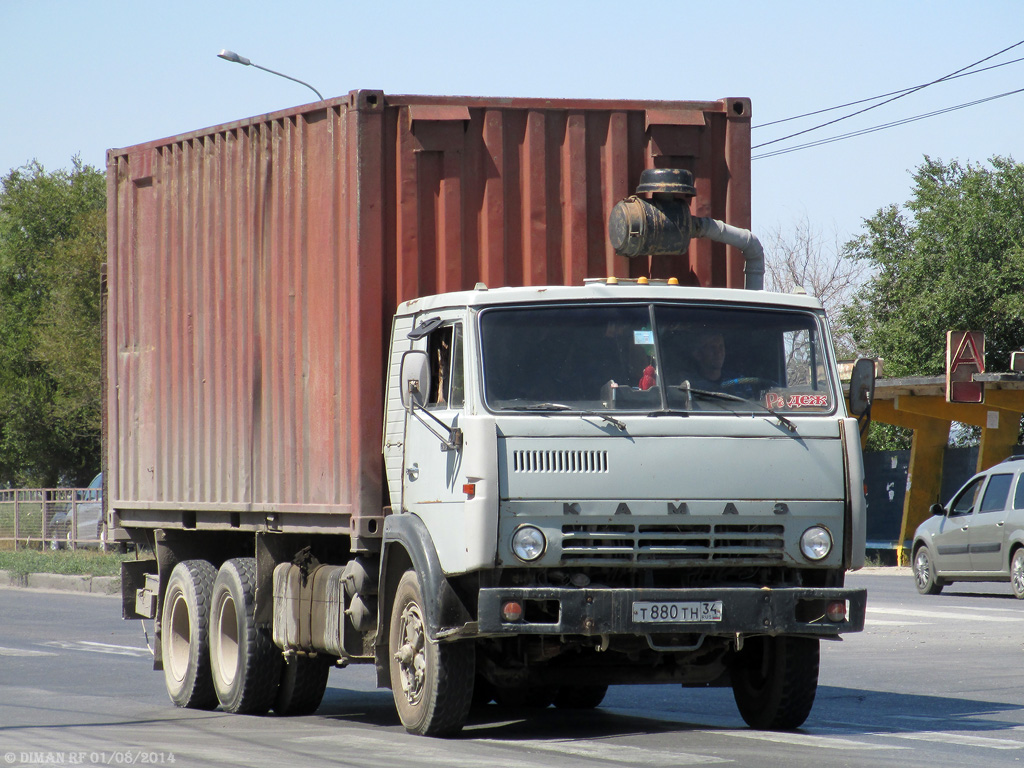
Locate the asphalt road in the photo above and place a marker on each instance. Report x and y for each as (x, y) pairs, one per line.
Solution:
(933, 681)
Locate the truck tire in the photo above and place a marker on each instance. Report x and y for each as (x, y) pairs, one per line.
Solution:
(432, 683)
(184, 635)
(580, 696)
(245, 663)
(303, 683)
(535, 697)
(774, 680)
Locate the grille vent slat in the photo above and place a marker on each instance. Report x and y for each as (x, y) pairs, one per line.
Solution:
(719, 543)
(560, 462)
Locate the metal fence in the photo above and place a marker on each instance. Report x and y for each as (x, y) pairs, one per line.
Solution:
(52, 518)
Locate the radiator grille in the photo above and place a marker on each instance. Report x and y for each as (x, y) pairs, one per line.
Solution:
(585, 544)
(560, 462)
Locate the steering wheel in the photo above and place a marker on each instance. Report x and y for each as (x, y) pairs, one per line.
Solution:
(750, 387)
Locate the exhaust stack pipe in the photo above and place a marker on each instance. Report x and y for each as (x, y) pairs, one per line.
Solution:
(663, 226)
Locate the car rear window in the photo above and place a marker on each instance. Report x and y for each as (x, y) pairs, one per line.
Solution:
(996, 493)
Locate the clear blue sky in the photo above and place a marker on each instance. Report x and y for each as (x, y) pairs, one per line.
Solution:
(80, 77)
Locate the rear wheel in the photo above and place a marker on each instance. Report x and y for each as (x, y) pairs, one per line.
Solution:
(303, 682)
(925, 580)
(580, 696)
(184, 635)
(1017, 573)
(774, 680)
(537, 697)
(246, 664)
(432, 682)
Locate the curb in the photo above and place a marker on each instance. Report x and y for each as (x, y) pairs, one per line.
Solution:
(96, 585)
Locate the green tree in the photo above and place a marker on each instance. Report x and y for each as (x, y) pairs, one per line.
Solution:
(52, 242)
(952, 259)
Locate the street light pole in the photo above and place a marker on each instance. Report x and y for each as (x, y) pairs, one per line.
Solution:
(232, 56)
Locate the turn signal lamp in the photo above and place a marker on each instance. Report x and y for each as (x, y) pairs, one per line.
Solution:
(836, 611)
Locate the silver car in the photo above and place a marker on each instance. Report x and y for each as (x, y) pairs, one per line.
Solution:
(978, 536)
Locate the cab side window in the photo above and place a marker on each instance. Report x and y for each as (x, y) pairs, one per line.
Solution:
(1018, 498)
(964, 503)
(447, 378)
(996, 493)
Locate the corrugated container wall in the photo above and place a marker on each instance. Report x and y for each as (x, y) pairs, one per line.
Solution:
(253, 268)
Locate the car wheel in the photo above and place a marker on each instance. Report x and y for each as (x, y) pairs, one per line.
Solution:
(1017, 573)
(924, 573)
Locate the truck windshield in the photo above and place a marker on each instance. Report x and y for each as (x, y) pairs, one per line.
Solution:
(654, 357)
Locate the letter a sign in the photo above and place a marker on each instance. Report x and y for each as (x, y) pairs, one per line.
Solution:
(965, 356)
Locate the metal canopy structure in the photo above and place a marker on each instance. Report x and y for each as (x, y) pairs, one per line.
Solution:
(919, 403)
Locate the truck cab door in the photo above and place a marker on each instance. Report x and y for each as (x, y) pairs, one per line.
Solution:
(433, 475)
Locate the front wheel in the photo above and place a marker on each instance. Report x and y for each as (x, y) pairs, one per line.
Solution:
(432, 682)
(774, 681)
(925, 580)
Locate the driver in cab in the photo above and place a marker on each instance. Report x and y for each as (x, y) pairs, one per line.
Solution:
(708, 357)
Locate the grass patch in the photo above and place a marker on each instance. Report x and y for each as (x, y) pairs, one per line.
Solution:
(78, 563)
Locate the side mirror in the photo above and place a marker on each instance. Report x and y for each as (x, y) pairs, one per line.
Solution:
(937, 510)
(415, 378)
(862, 386)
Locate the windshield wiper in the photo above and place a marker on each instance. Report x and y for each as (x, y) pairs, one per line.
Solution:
(561, 407)
(709, 395)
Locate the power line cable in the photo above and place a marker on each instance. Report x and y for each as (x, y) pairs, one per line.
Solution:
(883, 126)
(887, 101)
(880, 96)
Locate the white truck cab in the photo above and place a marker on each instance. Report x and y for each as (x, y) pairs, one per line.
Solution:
(626, 463)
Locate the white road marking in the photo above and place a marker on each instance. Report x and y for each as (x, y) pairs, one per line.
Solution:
(946, 615)
(602, 750)
(806, 740)
(23, 652)
(870, 622)
(527, 753)
(87, 645)
(961, 739)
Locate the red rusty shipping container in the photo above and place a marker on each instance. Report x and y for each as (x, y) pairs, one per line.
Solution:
(253, 268)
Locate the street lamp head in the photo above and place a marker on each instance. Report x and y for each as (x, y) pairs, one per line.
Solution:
(232, 56)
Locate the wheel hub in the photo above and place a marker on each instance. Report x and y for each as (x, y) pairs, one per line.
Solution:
(411, 658)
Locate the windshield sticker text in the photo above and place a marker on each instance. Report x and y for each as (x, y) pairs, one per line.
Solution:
(775, 400)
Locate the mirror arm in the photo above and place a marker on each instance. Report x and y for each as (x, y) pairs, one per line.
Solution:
(451, 442)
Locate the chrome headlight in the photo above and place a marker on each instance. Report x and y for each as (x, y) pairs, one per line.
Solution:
(816, 543)
(528, 543)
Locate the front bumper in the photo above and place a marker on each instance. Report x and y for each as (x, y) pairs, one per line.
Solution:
(745, 610)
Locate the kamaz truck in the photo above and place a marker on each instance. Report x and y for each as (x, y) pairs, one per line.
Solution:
(484, 393)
